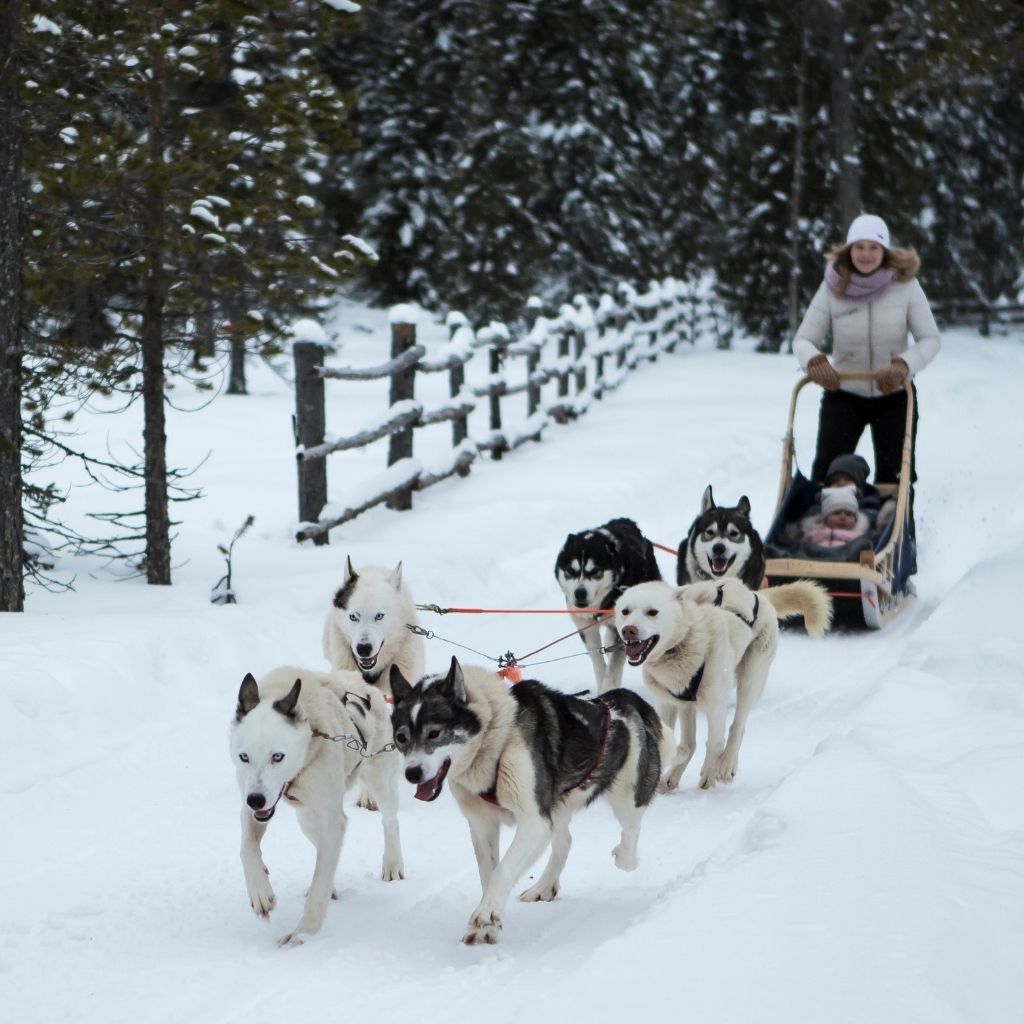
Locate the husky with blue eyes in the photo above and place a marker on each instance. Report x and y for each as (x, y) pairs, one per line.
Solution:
(366, 628)
(301, 738)
(593, 568)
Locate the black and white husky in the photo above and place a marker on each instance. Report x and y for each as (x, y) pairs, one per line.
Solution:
(531, 757)
(721, 542)
(593, 568)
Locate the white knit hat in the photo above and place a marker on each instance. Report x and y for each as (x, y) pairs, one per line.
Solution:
(868, 228)
(838, 499)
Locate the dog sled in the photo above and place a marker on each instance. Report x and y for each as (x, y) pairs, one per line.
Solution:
(868, 592)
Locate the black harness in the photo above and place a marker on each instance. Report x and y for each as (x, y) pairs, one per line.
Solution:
(690, 692)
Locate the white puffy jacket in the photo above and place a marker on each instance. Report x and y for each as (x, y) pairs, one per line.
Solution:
(868, 335)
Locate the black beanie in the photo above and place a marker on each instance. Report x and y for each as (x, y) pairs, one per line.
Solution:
(853, 466)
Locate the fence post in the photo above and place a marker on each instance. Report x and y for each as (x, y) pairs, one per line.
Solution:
(563, 353)
(494, 398)
(308, 425)
(580, 346)
(403, 337)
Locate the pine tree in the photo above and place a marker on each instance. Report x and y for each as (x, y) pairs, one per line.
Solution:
(176, 154)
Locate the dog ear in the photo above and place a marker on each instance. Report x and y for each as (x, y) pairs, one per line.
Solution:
(395, 579)
(743, 506)
(707, 502)
(248, 696)
(286, 705)
(350, 573)
(401, 688)
(456, 681)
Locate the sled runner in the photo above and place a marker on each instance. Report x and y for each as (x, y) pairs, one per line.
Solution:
(869, 590)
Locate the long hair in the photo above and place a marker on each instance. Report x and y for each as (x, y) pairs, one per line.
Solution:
(905, 262)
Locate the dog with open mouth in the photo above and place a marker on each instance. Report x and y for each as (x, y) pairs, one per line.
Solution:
(301, 738)
(721, 542)
(531, 757)
(593, 567)
(367, 626)
(699, 643)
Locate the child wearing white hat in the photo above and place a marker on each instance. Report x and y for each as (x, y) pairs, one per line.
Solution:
(840, 520)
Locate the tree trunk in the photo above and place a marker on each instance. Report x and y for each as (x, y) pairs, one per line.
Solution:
(158, 531)
(236, 376)
(12, 585)
(796, 199)
(844, 127)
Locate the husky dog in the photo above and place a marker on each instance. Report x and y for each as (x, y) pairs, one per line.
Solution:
(592, 569)
(366, 628)
(530, 757)
(304, 736)
(695, 641)
(721, 542)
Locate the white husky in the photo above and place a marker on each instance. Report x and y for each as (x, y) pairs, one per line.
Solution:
(367, 630)
(304, 736)
(694, 641)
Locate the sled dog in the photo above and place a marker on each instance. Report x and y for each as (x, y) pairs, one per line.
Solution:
(592, 569)
(302, 737)
(721, 542)
(695, 642)
(531, 757)
(366, 628)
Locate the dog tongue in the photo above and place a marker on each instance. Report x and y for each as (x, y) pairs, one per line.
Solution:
(431, 789)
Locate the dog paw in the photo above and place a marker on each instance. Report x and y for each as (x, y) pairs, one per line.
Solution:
(482, 935)
(625, 858)
(367, 803)
(291, 939)
(670, 780)
(539, 893)
(707, 780)
(262, 898)
(483, 929)
(392, 872)
(727, 769)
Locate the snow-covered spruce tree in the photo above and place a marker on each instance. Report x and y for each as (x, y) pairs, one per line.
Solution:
(174, 155)
(510, 149)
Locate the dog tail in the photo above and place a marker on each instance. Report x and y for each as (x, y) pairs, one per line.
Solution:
(802, 597)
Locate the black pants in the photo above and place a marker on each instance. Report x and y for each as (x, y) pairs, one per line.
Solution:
(842, 420)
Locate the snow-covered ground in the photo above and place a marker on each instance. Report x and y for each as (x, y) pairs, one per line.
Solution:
(867, 865)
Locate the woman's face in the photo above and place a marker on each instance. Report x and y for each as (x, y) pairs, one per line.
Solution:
(866, 256)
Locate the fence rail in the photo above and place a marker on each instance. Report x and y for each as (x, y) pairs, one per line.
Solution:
(986, 316)
(584, 352)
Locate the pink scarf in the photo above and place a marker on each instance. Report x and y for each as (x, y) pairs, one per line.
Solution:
(860, 287)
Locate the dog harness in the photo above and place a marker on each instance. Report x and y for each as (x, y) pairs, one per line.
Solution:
(690, 693)
(748, 622)
(491, 795)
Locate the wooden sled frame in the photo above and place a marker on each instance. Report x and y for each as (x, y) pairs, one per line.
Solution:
(873, 579)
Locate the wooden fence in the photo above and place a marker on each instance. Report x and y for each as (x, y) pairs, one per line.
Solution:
(582, 353)
(978, 313)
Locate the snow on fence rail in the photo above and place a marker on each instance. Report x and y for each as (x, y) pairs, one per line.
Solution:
(584, 352)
